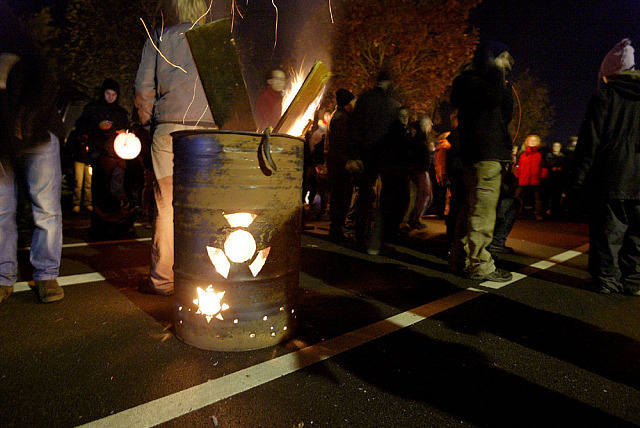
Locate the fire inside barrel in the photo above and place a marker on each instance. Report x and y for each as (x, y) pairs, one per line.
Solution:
(237, 210)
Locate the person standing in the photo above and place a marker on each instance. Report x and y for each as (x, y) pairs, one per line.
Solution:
(30, 127)
(177, 101)
(554, 184)
(337, 148)
(268, 107)
(530, 171)
(485, 104)
(606, 166)
(372, 116)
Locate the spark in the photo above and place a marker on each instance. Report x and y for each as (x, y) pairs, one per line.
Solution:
(195, 85)
(202, 115)
(276, 31)
(331, 12)
(203, 15)
(162, 26)
(161, 54)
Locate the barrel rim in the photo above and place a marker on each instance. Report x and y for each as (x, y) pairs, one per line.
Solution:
(184, 133)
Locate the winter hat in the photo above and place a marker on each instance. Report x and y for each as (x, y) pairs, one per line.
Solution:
(619, 59)
(343, 97)
(495, 48)
(110, 84)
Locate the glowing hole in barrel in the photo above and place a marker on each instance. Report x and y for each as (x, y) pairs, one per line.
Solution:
(240, 219)
(210, 303)
(239, 246)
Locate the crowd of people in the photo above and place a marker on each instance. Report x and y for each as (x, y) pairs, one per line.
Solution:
(376, 165)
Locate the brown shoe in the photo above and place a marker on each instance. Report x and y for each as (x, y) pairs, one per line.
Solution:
(49, 290)
(5, 292)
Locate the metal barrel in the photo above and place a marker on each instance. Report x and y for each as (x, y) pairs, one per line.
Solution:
(234, 188)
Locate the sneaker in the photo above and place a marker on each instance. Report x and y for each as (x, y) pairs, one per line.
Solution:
(49, 290)
(497, 275)
(500, 249)
(5, 292)
(76, 209)
(417, 225)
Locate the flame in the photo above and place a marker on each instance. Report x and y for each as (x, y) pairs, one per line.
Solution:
(297, 79)
(210, 303)
(240, 219)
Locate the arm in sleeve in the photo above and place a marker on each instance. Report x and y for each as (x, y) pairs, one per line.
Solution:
(589, 139)
(145, 85)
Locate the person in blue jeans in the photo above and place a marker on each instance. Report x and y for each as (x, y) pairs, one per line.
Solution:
(29, 151)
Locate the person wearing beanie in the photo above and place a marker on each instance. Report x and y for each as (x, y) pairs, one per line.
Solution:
(337, 154)
(97, 128)
(485, 104)
(605, 166)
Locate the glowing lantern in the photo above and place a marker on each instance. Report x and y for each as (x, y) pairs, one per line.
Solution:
(127, 145)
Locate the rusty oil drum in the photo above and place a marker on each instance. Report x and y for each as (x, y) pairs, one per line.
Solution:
(216, 174)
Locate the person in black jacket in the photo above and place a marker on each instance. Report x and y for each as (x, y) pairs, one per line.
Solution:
(485, 103)
(607, 165)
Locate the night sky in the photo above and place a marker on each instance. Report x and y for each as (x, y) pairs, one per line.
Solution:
(562, 43)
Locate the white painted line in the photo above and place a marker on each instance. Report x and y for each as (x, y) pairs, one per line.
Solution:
(183, 402)
(543, 264)
(90, 244)
(563, 257)
(65, 280)
(496, 285)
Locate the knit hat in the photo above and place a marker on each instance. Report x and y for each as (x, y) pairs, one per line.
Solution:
(110, 84)
(619, 59)
(343, 97)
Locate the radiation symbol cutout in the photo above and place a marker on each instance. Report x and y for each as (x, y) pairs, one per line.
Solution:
(239, 247)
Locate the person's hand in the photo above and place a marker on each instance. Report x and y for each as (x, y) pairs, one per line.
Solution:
(105, 125)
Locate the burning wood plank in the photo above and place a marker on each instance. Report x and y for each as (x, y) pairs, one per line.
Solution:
(309, 91)
(216, 58)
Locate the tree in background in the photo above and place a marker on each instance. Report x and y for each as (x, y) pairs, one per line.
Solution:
(423, 42)
(533, 114)
(104, 39)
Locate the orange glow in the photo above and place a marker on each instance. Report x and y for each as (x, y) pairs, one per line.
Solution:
(219, 260)
(258, 263)
(240, 246)
(297, 79)
(240, 219)
(210, 303)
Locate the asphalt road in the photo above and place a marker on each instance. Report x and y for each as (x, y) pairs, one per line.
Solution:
(380, 341)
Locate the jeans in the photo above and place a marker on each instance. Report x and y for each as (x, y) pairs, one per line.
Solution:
(40, 168)
(508, 209)
(477, 218)
(83, 182)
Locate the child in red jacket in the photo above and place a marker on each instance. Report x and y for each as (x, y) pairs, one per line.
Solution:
(530, 172)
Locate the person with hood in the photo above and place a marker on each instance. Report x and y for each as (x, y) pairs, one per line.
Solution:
(530, 172)
(607, 166)
(176, 101)
(485, 104)
(30, 129)
(98, 125)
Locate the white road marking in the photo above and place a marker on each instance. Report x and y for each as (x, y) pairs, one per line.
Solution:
(541, 265)
(65, 280)
(183, 402)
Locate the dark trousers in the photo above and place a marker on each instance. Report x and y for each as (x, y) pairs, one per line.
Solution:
(506, 214)
(341, 190)
(614, 244)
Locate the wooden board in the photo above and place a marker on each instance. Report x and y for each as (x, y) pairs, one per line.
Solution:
(216, 58)
(309, 91)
